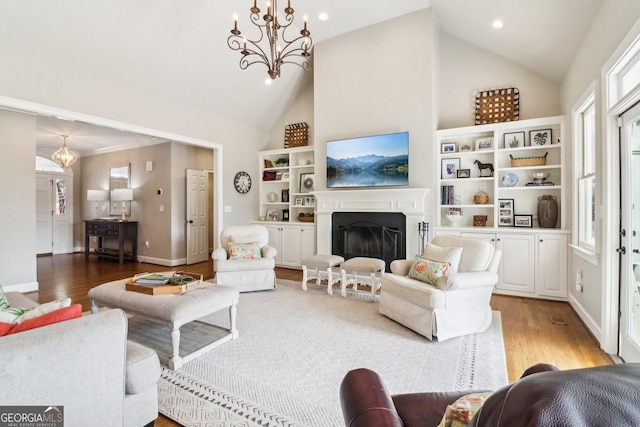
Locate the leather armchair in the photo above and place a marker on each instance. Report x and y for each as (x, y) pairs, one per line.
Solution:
(459, 305)
(245, 275)
(544, 396)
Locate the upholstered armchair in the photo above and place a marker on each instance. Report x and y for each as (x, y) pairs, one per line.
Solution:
(446, 293)
(244, 259)
(543, 396)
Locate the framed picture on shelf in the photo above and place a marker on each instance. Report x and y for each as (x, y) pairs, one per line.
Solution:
(298, 201)
(448, 147)
(513, 140)
(449, 167)
(285, 175)
(466, 147)
(484, 143)
(272, 215)
(308, 201)
(540, 137)
(306, 182)
(505, 212)
(285, 195)
(523, 220)
(463, 173)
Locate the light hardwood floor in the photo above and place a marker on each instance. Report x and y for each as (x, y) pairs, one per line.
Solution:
(534, 330)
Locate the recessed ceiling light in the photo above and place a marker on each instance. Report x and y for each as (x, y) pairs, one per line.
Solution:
(323, 16)
(497, 24)
(268, 81)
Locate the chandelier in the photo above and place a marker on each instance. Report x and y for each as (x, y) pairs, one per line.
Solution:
(280, 50)
(64, 156)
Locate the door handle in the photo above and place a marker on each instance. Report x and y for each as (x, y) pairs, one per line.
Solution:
(622, 250)
(190, 221)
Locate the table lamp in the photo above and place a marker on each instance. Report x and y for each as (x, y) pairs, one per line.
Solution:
(96, 196)
(123, 195)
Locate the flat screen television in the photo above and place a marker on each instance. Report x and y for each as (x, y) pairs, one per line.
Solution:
(369, 161)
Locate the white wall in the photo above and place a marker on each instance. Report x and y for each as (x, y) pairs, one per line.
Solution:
(466, 70)
(612, 23)
(378, 80)
(18, 213)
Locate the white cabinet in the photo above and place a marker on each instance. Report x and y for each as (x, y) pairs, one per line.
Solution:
(292, 241)
(509, 148)
(517, 267)
(551, 266)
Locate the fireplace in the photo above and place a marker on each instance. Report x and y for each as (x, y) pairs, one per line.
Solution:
(409, 203)
(369, 234)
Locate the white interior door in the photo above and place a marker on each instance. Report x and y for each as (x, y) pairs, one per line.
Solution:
(197, 216)
(44, 214)
(629, 348)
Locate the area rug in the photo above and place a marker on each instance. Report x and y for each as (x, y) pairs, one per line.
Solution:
(295, 347)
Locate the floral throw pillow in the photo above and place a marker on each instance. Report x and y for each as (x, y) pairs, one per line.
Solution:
(244, 250)
(460, 413)
(428, 271)
(4, 302)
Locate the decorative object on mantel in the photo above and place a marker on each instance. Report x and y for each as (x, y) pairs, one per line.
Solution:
(64, 156)
(296, 135)
(279, 48)
(497, 106)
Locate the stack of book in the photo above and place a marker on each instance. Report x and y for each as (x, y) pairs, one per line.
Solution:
(540, 184)
(446, 197)
(153, 279)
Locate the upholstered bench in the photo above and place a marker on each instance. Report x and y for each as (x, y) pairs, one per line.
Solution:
(363, 270)
(173, 310)
(319, 267)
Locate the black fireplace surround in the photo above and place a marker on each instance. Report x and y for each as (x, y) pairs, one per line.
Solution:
(369, 234)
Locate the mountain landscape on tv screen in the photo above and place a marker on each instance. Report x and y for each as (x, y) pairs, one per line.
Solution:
(368, 170)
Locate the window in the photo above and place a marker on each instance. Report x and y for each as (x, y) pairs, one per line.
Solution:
(584, 127)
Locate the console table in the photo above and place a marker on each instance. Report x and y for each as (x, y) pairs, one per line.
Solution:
(123, 231)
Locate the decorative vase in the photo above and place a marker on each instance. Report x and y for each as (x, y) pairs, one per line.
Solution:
(547, 211)
(481, 198)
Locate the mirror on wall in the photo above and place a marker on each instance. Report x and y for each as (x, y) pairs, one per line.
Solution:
(119, 177)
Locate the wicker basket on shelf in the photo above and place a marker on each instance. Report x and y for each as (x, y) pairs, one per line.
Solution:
(296, 135)
(528, 161)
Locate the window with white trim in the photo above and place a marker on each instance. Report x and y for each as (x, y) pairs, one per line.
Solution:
(585, 129)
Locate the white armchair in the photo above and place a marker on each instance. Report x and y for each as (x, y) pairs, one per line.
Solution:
(459, 302)
(244, 259)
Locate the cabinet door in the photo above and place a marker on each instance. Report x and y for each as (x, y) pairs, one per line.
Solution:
(291, 246)
(307, 242)
(518, 260)
(487, 237)
(551, 269)
(275, 240)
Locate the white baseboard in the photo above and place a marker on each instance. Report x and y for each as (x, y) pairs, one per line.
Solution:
(592, 325)
(162, 261)
(21, 287)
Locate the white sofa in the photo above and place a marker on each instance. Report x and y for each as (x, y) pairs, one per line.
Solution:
(246, 275)
(85, 365)
(459, 305)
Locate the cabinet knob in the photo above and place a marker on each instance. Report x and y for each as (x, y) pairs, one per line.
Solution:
(541, 240)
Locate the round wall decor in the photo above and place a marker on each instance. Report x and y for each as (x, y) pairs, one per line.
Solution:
(242, 182)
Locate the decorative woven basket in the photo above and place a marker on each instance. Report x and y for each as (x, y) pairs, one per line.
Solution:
(497, 106)
(529, 161)
(296, 135)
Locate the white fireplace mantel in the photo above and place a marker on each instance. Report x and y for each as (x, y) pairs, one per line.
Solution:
(412, 202)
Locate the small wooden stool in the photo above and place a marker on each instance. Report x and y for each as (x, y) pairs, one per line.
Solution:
(317, 266)
(363, 270)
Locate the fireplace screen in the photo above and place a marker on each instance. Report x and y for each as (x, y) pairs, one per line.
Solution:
(374, 235)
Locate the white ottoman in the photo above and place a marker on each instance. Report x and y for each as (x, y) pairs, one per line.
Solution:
(363, 270)
(172, 310)
(319, 266)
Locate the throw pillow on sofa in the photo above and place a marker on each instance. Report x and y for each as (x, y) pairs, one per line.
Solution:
(55, 316)
(17, 315)
(428, 271)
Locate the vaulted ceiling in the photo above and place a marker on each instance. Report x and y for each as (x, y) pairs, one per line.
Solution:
(178, 49)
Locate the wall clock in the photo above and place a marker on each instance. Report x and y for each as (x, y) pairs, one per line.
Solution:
(242, 182)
